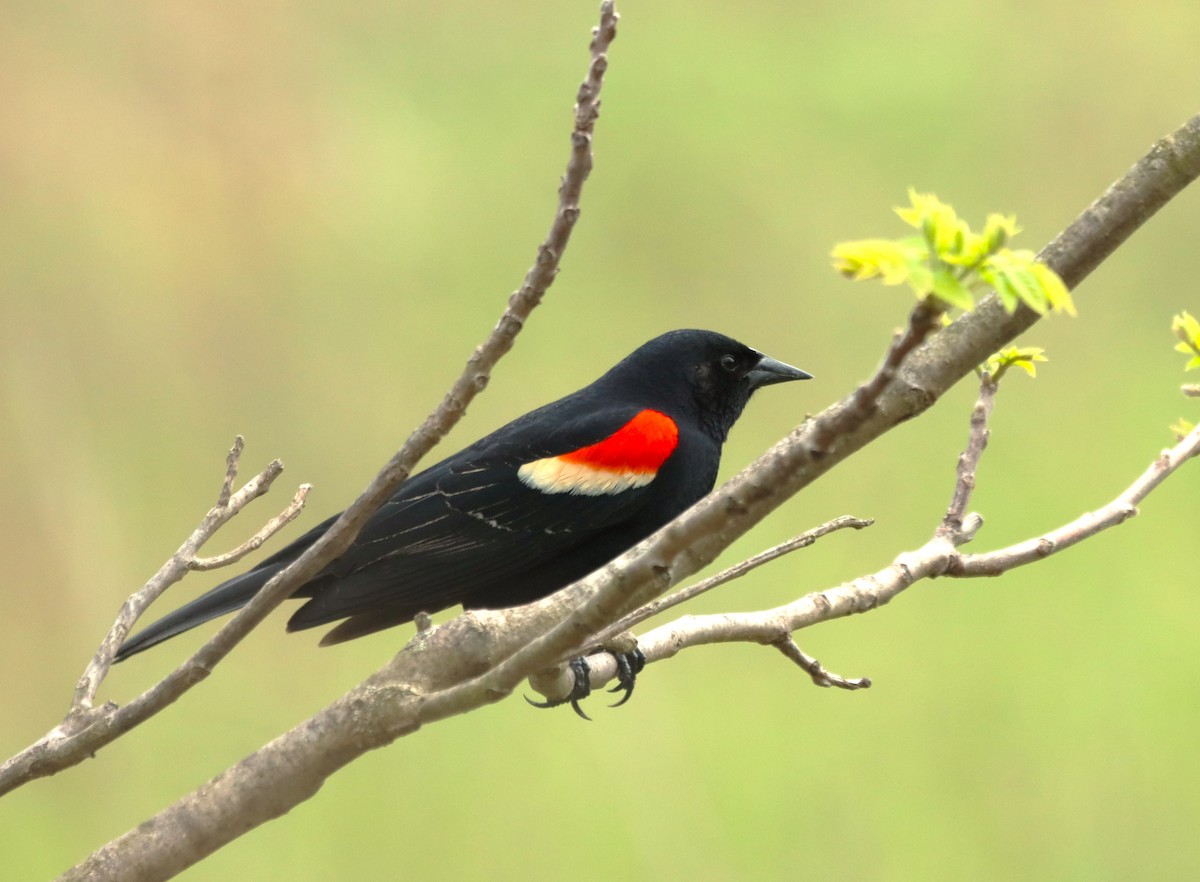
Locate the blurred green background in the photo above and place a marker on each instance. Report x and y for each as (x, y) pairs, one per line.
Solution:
(293, 221)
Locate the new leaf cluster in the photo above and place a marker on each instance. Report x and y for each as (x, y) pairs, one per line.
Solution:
(1187, 329)
(950, 262)
(1023, 357)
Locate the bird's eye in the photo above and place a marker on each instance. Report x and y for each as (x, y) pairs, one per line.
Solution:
(728, 363)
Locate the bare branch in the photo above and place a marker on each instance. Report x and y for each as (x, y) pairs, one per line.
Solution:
(968, 462)
(922, 322)
(57, 749)
(269, 529)
(558, 681)
(728, 574)
(812, 667)
(231, 470)
(1118, 511)
(473, 380)
(229, 505)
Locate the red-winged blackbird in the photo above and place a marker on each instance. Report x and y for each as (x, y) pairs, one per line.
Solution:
(533, 506)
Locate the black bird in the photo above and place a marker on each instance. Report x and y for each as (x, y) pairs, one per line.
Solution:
(530, 508)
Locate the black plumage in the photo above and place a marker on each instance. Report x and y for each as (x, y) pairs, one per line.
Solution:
(530, 508)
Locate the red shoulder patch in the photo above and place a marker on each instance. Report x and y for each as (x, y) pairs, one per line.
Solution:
(641, 445)
(627, 459)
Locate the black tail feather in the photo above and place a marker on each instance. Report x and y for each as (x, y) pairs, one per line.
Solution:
(225, 598)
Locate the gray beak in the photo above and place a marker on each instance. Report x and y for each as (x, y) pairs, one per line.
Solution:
(769, 371)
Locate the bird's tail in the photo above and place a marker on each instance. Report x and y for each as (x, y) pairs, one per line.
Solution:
(225, 598)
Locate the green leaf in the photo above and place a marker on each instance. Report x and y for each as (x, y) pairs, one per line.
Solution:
(952, 292)
(1028, 289)
(971, 253)
(1182, 427)
(1187, 329)
(1019, 278)
(892, 260)
(1057, 293)
(1009, 297)
(997, 230)
(937, 221)
(922, 205)
(1021, 357)
(920, 279)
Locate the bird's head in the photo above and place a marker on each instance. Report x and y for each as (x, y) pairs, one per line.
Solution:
(702, 373)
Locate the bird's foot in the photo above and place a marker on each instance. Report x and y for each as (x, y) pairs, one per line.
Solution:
(629, 665)
(581, 688)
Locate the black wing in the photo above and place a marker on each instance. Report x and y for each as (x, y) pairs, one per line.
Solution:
(467, 527)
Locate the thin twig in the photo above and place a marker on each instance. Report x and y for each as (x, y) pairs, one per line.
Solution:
(820, 675)
(269, 529)
(968, 461)
(231, 470)
(45, 755)
(922, 321)
(1121, 509)
(471, 382)
(728, 574)
(229, 505)
(473, 379)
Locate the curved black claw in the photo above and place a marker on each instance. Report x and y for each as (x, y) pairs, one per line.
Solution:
(629, 665)
(581, 690)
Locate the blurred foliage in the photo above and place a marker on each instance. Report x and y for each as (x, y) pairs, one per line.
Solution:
(1187, 329)
(1023, 357)
(950, 263)
(293, 222)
